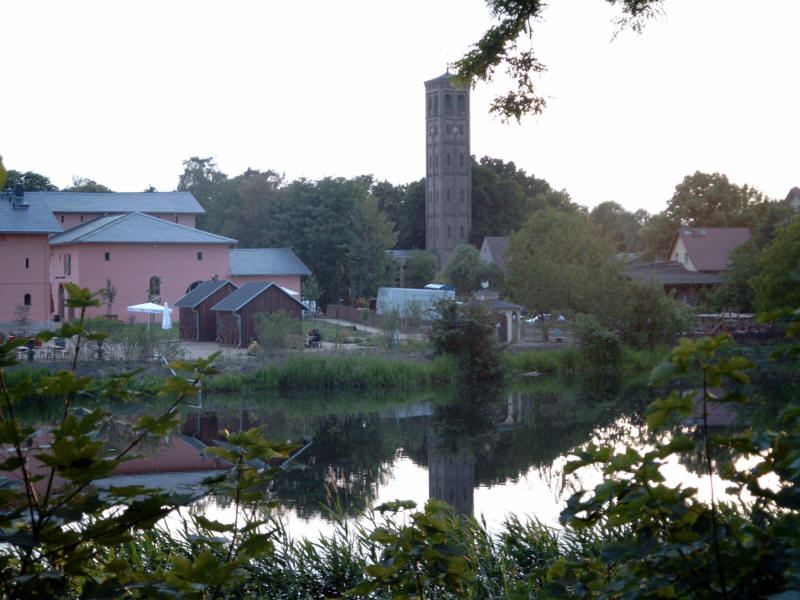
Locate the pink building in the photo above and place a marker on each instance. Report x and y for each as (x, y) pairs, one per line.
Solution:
(72, 209)
(25, 226)
(142, 255)
(145, 243)
(260, 265)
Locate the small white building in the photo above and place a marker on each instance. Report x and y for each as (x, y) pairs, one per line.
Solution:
(403, 299)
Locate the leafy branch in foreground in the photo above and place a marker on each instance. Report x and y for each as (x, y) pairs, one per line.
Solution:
(665, 541)
(61, 533)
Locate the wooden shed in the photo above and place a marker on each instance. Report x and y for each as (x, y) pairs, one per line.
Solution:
(197, 322)
(236, 314)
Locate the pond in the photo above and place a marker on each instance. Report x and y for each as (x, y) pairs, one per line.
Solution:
(489, 452)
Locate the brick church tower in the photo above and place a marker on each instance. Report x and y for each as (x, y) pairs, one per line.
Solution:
(448, 172)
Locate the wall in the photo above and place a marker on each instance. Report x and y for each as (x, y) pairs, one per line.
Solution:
(16, 279)
(680, 249)
(130, 267)
(72, 220)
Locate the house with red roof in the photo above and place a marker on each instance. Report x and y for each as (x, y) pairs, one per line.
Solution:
(706, 249)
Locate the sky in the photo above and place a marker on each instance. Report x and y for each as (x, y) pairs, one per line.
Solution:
(123, 92)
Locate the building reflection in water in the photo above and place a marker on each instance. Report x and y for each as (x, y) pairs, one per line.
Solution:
(461, 434)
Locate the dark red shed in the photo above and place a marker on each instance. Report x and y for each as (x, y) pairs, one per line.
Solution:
(236, 314)
(197, 322)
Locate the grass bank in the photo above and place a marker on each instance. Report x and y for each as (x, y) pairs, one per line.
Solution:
(340, 372)
(570, 360)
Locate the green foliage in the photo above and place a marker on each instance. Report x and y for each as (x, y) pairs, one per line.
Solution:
(644, 316)
(84, 184)
(778, 284)
(33, 182)
(466, 271)
(420, 559)
(619, 226)
(62, 536)
(372, 235)
(467, 333)
(558, 264)
(693, 548)
(599, 346)
(279, 331)
(710, 200)
(507, 43)
(419, 270)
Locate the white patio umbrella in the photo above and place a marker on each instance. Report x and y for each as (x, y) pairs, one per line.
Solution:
(166, 320)
(149, 307)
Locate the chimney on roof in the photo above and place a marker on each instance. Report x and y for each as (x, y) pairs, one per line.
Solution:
(19, 196)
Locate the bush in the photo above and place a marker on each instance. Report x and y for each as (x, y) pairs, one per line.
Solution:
(599, 346)
(279, 331)
(467, 332)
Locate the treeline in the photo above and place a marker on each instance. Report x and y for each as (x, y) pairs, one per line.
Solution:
(341, 228)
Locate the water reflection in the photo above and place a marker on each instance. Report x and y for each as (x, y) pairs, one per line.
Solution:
(486, 451)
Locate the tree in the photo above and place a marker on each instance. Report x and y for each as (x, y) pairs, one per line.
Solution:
(557, 263)
(508, 43)
(504, 196)
(466, 271)
(618, 226)
(710, 200)
(778, 284)
(372, 235)
(206, 182)
(33, 182)
(405, 206)
(467, 332)
(419, 270)
(84, 184)
(314, 220)
(109, 294)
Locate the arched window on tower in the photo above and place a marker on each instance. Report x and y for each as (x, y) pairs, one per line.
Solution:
(461, 160)
(26, 300)
(430, 104)
(448, 195)
(447, 157)
(448, 232)
(448, 104)
(461, 195)
(436, 104)
(462, 104)
(462, 232)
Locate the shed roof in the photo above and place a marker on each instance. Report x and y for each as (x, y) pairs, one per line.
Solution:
(669, 273)
(120, 202)
(245, 294)
(266, 261)
(28, 216)
(136, 228)
(201, 292)
(710, 247)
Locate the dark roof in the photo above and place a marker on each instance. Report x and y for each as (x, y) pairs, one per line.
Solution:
(137, 228)
(248, 292)
(27, 215)
(120, 202)
(497, 247)
(448, 79)
(201, 292)
(709, 248)
(266, 261)
(668, 273)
